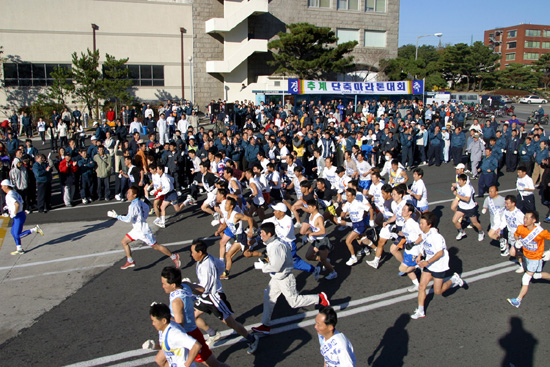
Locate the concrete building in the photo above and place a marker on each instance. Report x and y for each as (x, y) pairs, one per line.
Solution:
(213, 48)
(521, 44)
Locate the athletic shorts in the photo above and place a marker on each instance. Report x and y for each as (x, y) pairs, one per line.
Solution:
(469, 213)
(422, 208)
(240, 238)
(205, 352)
(436, 274)
(409, 259)
(322, 244)
(267, 197)
(389, 231)
(359, 227)
(276, 194)
(171, 197)
(532, 266)
(211, 198)
(365, 185)
(214, 304)
(137, 235)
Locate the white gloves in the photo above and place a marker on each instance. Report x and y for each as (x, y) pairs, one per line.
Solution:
(149, 344)
(112, 214)
(371, 223)
(484, 211)
(259, 265)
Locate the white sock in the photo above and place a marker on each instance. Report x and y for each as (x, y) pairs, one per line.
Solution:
(415, 282)
(421, 309)
(173, 256)
(377, 258)
(19, 248)
(33, 229)
(130, 260)
(162, 219)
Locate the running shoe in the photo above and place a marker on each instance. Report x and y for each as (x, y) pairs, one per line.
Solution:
(316, 272)
(457, 280)
(17, 252)
(418, 314)
(225, 275)
(212, 339)
(363, 252)
(39, 230)
(215, 222)
(117, 197)
(352, 261)
(506, 252)
(460, 235)
(161, 224)
(413, 288)
(332, 275)
(262, 329)
(128, 265)
(252, 347)
(156, 221)
(297, 225)
(516, 302)
(481, 236)
(177, 261)
(373, 263)
(520, 269)
(323, 299)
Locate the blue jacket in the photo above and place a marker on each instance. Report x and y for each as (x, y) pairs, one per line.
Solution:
(251, 152)
(40, 172)
(488, 132)
(435, 139)
(541, 155)
(489, 163)
(458, 140)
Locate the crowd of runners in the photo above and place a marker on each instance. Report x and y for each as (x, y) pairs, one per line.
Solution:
(275, 178)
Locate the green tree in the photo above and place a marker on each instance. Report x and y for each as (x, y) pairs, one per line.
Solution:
(62, 87)
(116, 81)
(87, 78)
(306, 51)
(483, 62)
(518, 76)
(542, 65)
(456, 64)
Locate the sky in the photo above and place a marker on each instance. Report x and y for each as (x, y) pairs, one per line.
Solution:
(462, 20)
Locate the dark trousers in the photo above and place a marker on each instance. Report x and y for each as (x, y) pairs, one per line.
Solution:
(103, 189)
(421, 153)
(434, 153)
(28, 130)
(511, 161)
(486, 180)
(25, 196)
(407, 156)
(456, 153)
(526, 203)
(44, 193)
(86, 187)
(53, 143)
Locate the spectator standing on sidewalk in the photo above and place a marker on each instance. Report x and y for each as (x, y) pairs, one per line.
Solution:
(103, 171)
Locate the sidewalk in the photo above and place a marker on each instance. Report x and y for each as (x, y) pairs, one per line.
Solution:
(53, 268)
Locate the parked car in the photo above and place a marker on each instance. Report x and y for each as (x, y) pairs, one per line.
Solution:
(505, 99)
(532, 99)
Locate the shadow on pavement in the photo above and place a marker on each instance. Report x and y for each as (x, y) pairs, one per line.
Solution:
(394, 345)
(519, 345)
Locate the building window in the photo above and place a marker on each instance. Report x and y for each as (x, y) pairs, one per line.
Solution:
(532, 32)
(348, 4)
(147, 75)
(512, 34)
(510, 56)
(530, 56)
(347, 35)
(375, 39)
(30, 75)
(318, 3)
(491, 35)
(546, 45)
(546, 33)
(532, 44)
(511, 45)
(378, 6)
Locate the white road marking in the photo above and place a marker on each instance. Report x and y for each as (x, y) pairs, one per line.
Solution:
(59, 272)
(308, 319)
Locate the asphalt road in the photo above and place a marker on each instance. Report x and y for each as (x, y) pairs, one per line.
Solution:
(106, 321)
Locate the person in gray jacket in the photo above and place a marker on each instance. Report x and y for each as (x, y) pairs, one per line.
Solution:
(476, 149)
(279, 265)
(103, 171)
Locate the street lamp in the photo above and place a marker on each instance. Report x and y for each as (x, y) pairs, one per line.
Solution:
(191, 77)
(182, 31)
(427, 35)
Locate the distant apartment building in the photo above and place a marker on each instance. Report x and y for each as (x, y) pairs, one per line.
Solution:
(521, 44)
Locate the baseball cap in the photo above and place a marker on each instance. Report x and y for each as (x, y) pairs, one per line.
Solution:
(460, 166)
(94, 138)
(279, 206)
(8, 183)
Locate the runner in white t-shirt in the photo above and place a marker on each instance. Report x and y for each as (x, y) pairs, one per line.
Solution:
(467, 207)
(435, 263)
(418, 191)
(336, 349)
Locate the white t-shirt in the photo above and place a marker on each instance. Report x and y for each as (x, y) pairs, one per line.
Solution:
(376, 192)
(363, 167)
(411, 230)
(356, 210)
(337, 351)
(525, 183)
(13, 197)
(468, 191)
(284, 229)
(512, 219)
(331, 175)
(175, 343)
(419, 188)
(433, 243)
